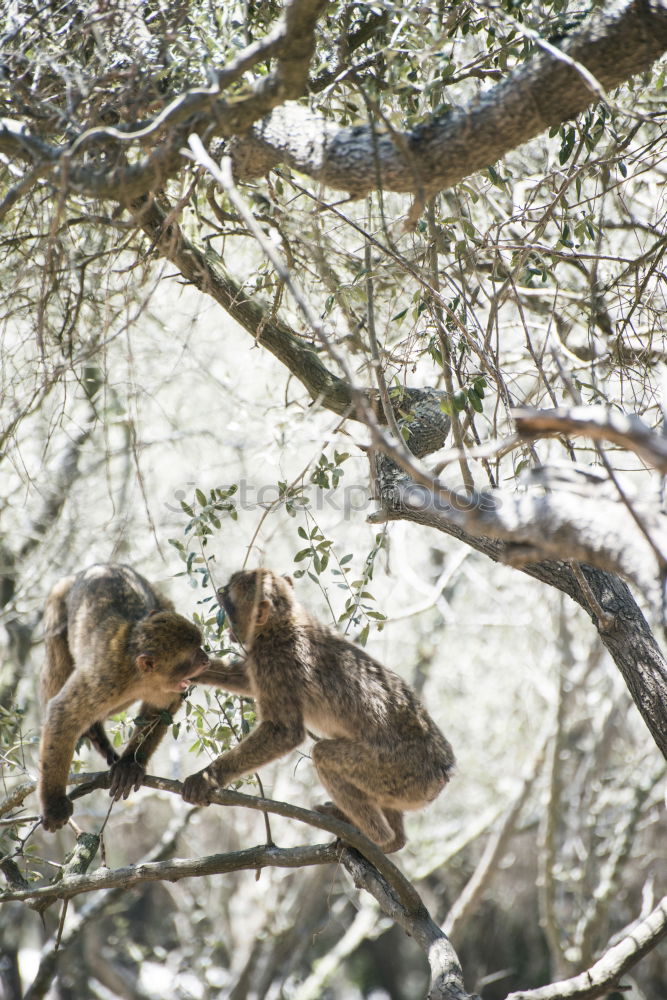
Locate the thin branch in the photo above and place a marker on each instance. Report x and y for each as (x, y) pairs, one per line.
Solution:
(385, 399)
(598, 423)
(445, 350)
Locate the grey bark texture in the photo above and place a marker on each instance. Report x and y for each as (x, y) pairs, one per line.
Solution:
(614, 44)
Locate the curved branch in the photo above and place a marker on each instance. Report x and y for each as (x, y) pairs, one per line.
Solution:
(293, 41)
(599, 423)
(608, 601)
(405, 893)
(605, 974)
(370, 870)
(553, 87)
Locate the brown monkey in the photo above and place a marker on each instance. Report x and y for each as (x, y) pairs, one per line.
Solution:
(111, 639)
(379, 753)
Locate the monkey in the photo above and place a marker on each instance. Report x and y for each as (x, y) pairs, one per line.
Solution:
(377, 751)
(111, 639)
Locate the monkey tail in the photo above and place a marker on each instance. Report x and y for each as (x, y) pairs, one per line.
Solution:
(58, 664)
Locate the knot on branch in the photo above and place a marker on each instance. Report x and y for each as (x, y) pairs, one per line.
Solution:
(421, 418)
(424, 425)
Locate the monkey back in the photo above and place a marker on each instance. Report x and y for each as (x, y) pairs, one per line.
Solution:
(114, 590)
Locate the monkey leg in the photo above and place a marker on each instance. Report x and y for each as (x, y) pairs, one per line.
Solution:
(372, 787)
(58, 665)
(99, 739)
(355, 803)
(393, 817)
(331, 809)
(395, 820)
(355, 807)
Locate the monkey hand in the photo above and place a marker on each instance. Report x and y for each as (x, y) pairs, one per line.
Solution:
(197, 788)
(57, 811)
(126, 775)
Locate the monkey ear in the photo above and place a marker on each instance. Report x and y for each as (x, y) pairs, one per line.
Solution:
(145, 663)
(289, 579)
(263, 612)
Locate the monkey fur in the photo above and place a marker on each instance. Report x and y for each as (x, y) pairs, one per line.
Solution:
(111, 639)
(378, 753)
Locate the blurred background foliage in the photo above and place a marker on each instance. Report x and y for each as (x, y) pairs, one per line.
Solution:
(140, 424)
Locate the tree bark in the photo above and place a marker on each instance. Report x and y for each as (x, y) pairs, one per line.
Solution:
(556, 85)
(607, 600)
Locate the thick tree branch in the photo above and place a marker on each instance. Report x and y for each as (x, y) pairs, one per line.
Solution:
(624, 630)
(613, 45)
(446, 975)
(577, 521)
(553, 87)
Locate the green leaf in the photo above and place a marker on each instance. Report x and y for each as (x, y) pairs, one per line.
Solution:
(567, 146)
(475, 401)
(459, 400)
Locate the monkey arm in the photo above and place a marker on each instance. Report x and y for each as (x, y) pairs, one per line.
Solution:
(68, 715)
(230, 675)
(128, 772)
(267, 742)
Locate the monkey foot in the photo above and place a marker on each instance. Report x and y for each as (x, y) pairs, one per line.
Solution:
(387, 846)
(393, 845)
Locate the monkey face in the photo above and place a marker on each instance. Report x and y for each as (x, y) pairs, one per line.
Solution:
(226, 602)
(170, 648)
(187, 668)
